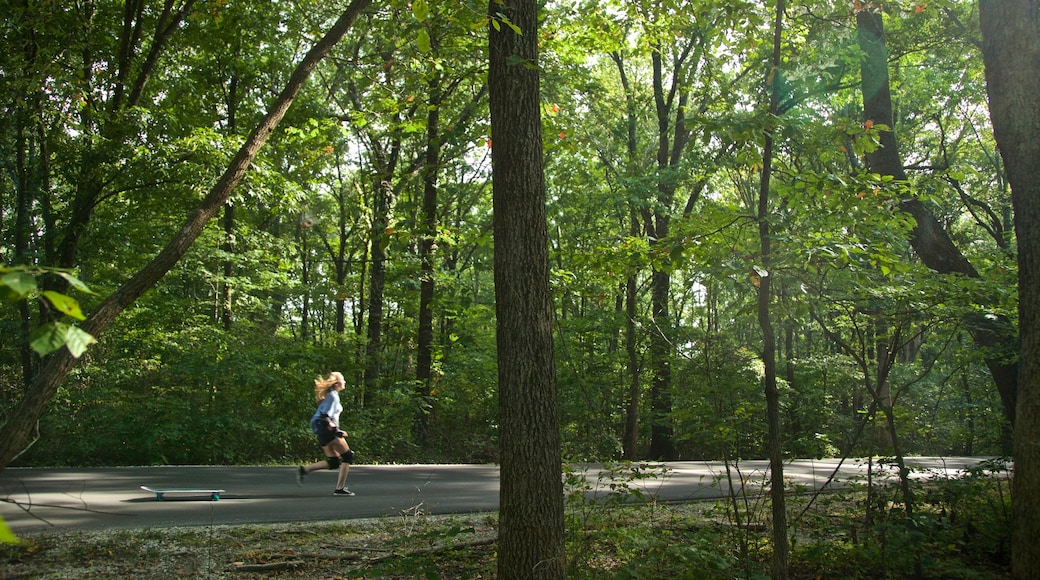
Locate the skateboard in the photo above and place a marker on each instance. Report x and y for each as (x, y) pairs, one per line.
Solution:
(214, 494)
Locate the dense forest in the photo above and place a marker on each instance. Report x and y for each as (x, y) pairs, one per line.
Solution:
(806, 201)
(360, 240)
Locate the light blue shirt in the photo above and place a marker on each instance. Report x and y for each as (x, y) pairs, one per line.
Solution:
(329, 406)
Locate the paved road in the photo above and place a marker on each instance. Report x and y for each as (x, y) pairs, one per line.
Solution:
(86, 499)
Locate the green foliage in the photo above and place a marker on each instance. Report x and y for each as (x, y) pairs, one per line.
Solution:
(961, 529)
(716, 408)
(18, 283)
(206, 400)
(613, 524)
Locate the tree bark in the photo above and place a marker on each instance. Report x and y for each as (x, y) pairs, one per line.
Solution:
(427, 245)
(377, 282)
(671, 141)
(630, 441)
(15, 435)
(1011, 53)
(772, 394)
(531, 538)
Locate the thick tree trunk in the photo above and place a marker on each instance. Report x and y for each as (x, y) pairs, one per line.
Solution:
(530, 539)
(930, 241)
(1011, 52)
(16, 433)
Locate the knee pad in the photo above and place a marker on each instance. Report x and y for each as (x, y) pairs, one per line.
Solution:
(333, 462)
(347, 456)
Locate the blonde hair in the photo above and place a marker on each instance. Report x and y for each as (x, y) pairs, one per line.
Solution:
(323, 386)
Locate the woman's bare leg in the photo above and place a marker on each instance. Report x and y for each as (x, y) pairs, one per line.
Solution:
(344, 469)
(339, 447)
(315, 466)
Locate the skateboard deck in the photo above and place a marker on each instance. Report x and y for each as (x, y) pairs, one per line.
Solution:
(214, 494)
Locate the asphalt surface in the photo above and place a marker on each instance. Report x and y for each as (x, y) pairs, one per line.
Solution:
(103, 498)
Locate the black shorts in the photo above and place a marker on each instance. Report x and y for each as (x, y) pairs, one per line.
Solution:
(326, 436)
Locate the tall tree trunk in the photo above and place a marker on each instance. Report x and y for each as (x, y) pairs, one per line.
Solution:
(15, 434)
(631, 437)
(424, 359)
(376, 283)
(226, 316)
(531, 539)
(662, 443)
(772, 393)
(1011, 52)
(671, 141)
(930, 241)
(226, 313)
(630, 441)
(22, 223)
(302, 227)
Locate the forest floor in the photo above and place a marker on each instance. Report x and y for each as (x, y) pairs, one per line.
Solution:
(408, 547)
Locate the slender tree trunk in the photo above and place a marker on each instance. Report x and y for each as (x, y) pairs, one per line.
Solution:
(1011, 52)
(23, 204)
(630, 442)
(305, 279)
(15, 434)
(226, 313)
(671, 140)
(226, 316)
(424, 363)
(341, 260)
(631, 437)
(772, 394)
(376, 284)
(530, 540)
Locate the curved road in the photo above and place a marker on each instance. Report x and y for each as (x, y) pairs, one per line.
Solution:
(89, 499)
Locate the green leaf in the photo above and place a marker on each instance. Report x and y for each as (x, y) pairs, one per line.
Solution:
(48, 338)
(499, 17)
(21, 283)
(423, 41)
(52, 336)
(420, 10)
(65, 304)
(75, 282)
(77, 341)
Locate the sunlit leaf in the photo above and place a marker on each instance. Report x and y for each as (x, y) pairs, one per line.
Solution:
(77, 341)
(64, 303)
